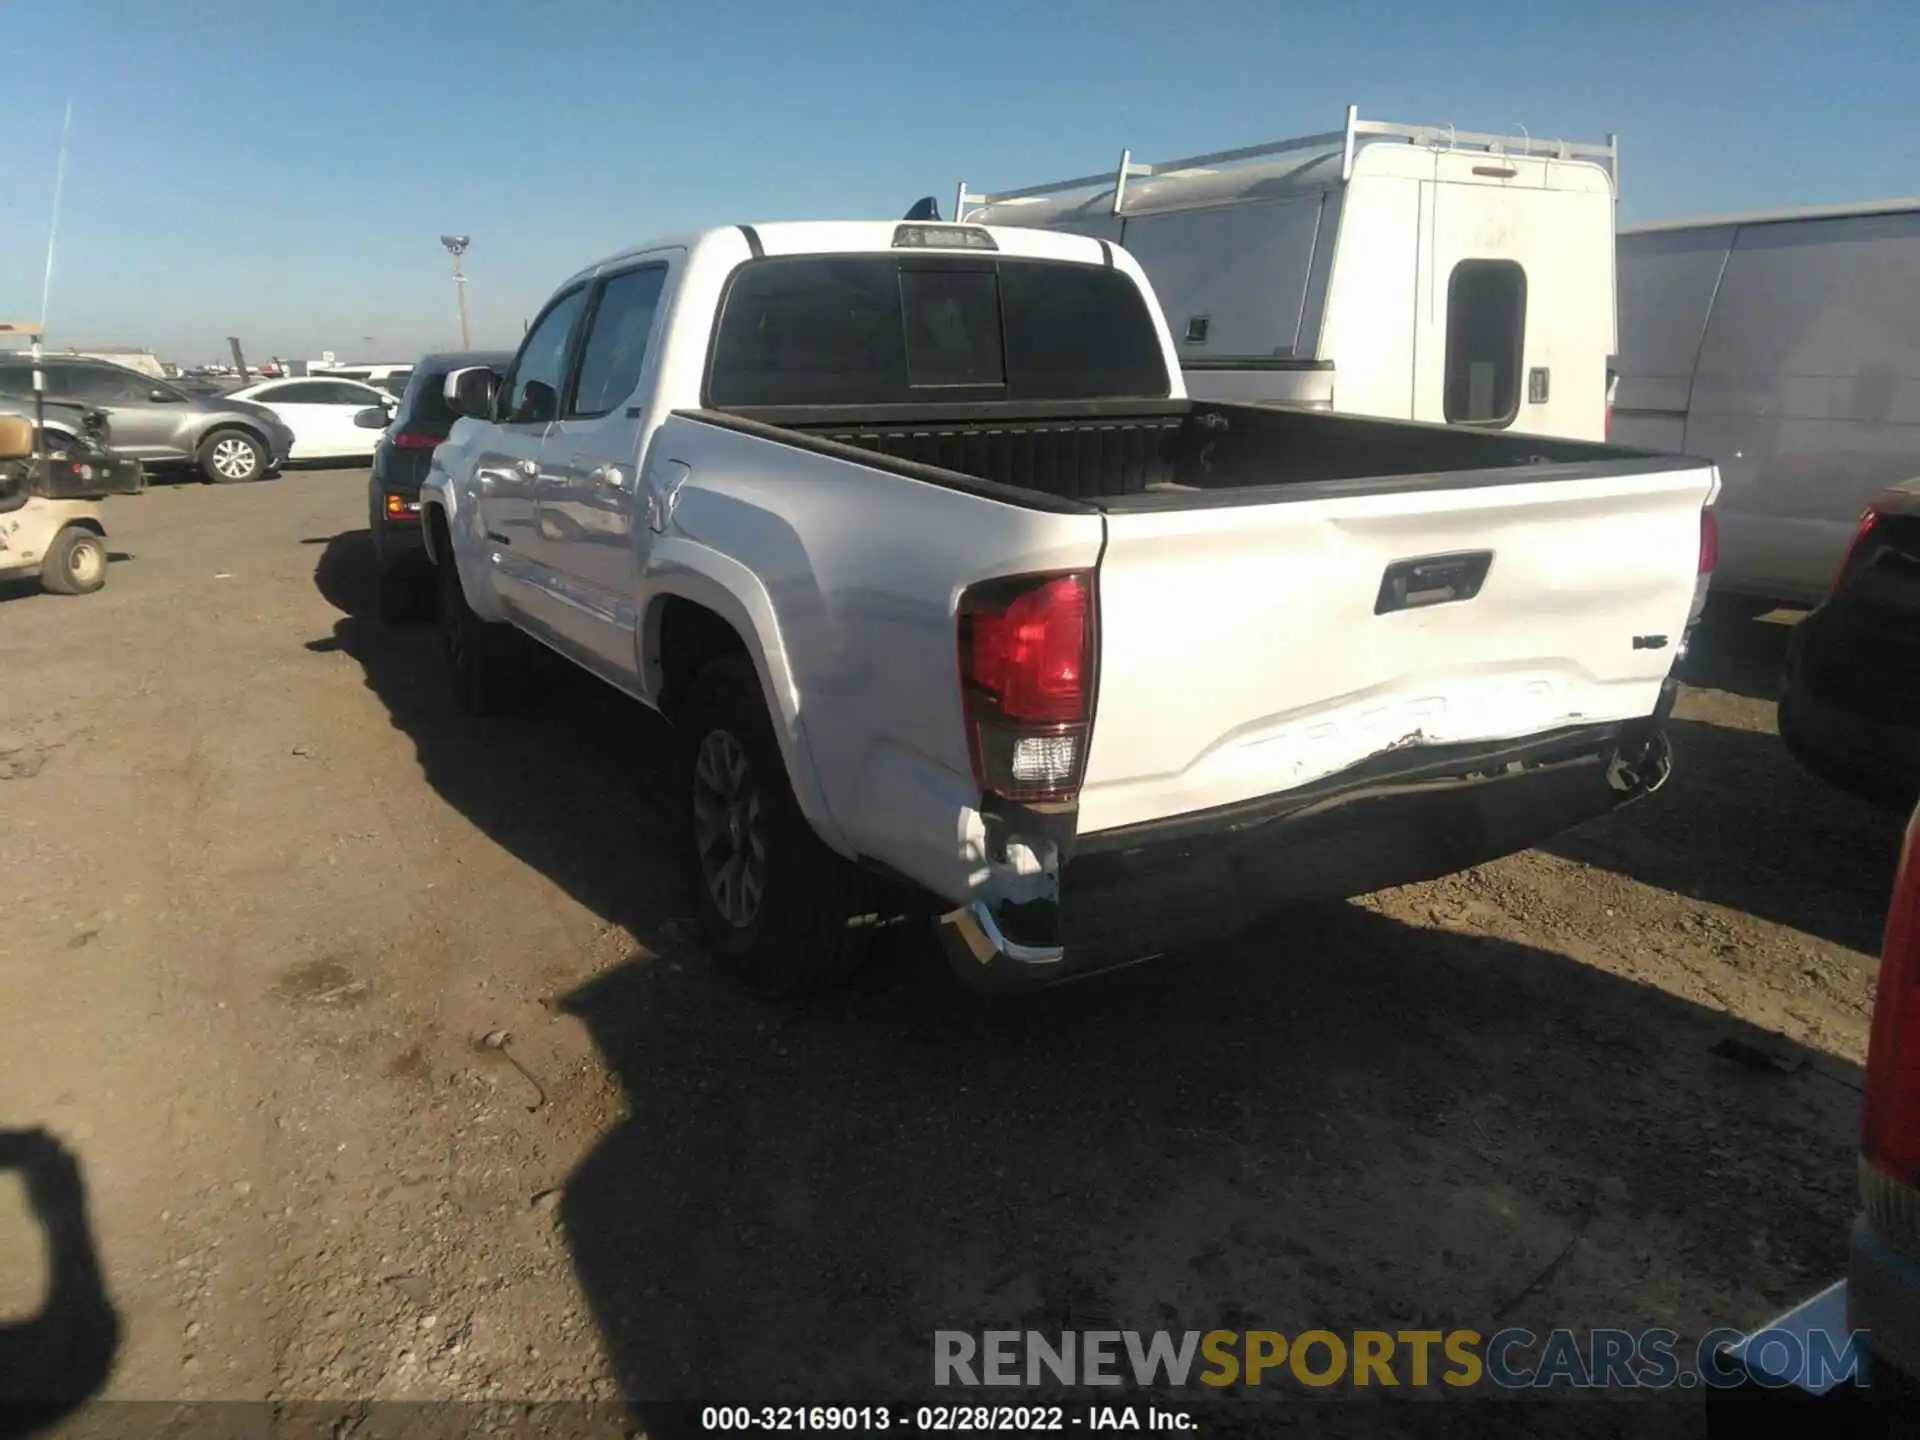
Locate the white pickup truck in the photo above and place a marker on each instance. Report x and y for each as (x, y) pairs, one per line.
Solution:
(951, 594)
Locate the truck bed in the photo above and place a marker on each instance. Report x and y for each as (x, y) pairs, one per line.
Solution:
(1284, 593)
(1174, 454)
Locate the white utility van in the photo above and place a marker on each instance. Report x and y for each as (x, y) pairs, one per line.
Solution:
(1401, 271)
(1784, 346)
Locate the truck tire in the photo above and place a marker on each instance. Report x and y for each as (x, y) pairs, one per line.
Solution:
(777, 908)
(232, 457)
(488, 663)
(75, 563)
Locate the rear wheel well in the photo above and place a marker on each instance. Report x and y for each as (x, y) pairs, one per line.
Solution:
(258, 437)
(691, 637)
(439, 538)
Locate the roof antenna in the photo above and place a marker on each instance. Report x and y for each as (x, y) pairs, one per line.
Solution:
(926, 209)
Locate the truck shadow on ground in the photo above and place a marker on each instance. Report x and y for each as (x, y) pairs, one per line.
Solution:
(1741, 825)
(1340, 1121)
(1734, 651)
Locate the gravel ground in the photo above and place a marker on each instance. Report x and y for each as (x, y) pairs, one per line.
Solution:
(263, 898)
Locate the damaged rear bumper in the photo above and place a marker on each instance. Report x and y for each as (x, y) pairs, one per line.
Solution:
(1403, 816)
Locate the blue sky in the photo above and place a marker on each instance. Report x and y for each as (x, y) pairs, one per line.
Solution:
(283, 172)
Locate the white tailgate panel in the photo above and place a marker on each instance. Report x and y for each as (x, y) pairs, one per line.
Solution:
(1240, 655)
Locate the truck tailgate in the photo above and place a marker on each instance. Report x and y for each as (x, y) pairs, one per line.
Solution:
(1248, 648)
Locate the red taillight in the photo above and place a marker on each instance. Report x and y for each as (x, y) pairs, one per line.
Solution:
(1026, 683)
(414, 440)
(1890, 1125)
(1857, 547)
(1709, 540)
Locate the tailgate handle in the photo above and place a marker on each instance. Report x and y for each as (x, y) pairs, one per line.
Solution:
(1432, 580)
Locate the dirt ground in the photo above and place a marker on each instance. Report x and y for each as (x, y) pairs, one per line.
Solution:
(263, 896)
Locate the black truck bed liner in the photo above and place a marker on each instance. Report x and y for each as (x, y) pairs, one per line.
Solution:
(1168, 453)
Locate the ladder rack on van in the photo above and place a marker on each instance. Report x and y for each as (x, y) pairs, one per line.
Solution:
(1439, 137)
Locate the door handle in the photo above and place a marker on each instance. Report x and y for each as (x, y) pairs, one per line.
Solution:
(612, 477)
(528, 468)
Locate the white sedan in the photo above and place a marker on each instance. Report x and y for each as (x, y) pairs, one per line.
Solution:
(320, 412)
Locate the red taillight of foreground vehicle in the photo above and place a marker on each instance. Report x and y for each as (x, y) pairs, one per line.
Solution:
(1890, 1125)
(1027, 647)
(414, 440)
(1709, 541)
(1857, 547)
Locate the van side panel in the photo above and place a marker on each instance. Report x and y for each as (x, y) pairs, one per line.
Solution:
(1667, 283)
(1232, 279)
(1808, 392)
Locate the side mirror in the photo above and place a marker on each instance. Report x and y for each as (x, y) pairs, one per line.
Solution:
(470, 391)
(374, 417)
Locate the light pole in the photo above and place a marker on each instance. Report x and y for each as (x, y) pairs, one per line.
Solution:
(456, 247)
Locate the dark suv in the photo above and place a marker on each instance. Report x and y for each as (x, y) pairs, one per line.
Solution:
(1850, 698)
(155, 422)
(400, 463)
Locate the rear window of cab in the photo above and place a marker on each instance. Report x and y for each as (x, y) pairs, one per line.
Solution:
(891, 329)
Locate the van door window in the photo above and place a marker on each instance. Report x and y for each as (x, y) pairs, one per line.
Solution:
(1486, 338)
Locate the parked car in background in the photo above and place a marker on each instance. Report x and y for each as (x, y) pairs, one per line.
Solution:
(228, 441)
(400, 463)
(391, 378)
(1784, 347)
(1781, 1392)
(1850, 700)
(322, 414)
(915, 536)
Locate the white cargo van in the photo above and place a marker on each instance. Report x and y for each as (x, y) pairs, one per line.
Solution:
(1401, 271)
(1786, 347)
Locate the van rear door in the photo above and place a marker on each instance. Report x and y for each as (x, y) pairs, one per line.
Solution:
(1515, 318)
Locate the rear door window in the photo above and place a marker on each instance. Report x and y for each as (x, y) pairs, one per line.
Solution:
(426, 400)
(1486, 339)
(340, 392)
(616, 343)
(98, 384)
(298, 392)
(883, 329)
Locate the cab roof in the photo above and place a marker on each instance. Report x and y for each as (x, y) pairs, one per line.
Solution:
(841, 237)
